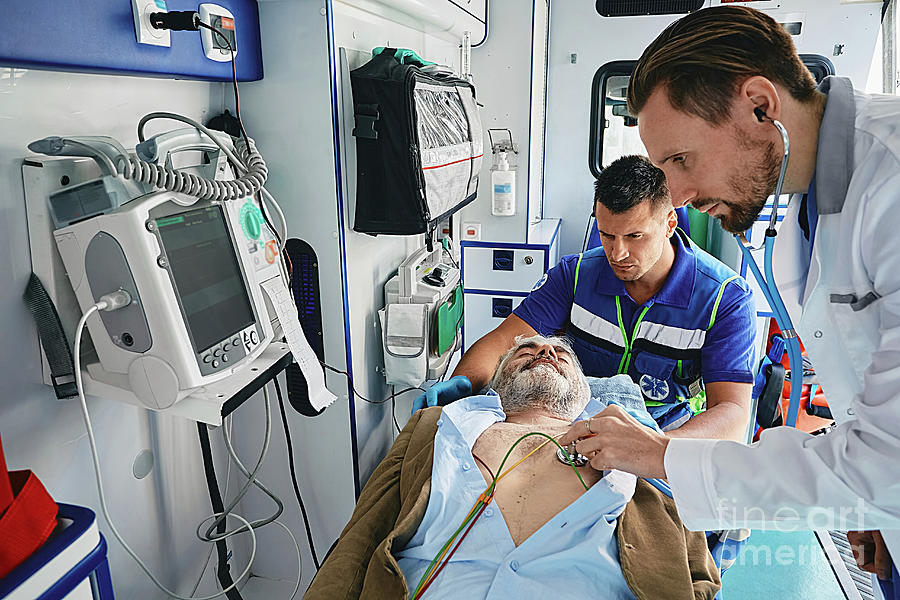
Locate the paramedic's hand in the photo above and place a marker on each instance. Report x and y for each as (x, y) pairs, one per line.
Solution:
(871, 552)
(444, 392)
(615, 440)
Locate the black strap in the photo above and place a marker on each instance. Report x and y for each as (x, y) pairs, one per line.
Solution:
(53, 338)
(223, 573)
(366, 117)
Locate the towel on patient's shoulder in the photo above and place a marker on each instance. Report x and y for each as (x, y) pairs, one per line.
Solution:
(621, 390)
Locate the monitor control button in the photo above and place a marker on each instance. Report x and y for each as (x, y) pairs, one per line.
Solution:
(217, 352)
(215, 364)
(225, 358)
(207, 359)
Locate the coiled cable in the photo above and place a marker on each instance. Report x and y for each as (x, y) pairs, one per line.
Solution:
(172, 180)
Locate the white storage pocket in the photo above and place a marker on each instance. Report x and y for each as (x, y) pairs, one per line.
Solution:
(405, 340)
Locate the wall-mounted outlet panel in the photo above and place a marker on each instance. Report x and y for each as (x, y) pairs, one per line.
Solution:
(143, 31)
(98, 36)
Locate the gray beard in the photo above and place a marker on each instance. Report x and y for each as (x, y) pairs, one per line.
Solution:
(541, 387)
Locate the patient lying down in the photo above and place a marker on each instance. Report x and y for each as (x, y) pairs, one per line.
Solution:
(544, 531)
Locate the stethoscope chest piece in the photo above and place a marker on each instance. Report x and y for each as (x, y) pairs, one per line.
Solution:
(574, 458)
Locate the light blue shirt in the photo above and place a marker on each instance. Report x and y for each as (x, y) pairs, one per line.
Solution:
(574, 555)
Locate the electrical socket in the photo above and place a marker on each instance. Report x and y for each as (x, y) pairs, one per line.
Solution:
(144, 32)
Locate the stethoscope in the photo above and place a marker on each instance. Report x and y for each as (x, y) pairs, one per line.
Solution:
(767, 282)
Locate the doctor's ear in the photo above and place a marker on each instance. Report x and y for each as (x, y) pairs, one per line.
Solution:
(759, 95)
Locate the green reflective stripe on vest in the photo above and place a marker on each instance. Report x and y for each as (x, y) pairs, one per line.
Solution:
(698, 402)
(626, 357)
(712, 317)
(577, 268)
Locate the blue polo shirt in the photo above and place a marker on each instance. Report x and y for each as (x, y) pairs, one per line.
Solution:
(699, 328)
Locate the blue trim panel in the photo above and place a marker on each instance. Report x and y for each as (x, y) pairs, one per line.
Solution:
(512, 245)
(555, 232)
(95, 561)
(335, 79)
(97, 36)
(530, 107)
(81, 518)
(497, 293)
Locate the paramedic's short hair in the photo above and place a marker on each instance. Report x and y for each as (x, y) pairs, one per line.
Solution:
(627, 182)
(703, 58)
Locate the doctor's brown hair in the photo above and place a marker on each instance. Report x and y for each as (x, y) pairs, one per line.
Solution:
(703, 58)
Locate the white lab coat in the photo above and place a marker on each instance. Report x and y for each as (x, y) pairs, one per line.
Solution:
(850, 326)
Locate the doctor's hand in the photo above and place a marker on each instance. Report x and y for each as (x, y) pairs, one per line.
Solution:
(613, 439)
(871, 552)
(444, 392)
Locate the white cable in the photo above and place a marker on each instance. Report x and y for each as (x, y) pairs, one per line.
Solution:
(240, 465)
(251, 480)
(274, 203)
(299, 558)
(96, 460)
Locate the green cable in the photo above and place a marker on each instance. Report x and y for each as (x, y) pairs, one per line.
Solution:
(490, 489)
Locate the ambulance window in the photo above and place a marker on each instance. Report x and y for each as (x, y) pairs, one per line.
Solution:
(614, 131)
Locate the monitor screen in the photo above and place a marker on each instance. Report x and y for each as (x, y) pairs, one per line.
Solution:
(206, 273)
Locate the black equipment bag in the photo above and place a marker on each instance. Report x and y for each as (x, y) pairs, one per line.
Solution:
(419, 145)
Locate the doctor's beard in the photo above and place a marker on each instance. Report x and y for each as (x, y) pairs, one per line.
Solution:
(750, 188)
(542, 387)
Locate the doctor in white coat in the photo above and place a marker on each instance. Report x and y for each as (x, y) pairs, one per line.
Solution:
(706, 92)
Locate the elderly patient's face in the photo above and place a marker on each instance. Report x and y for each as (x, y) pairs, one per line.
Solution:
(541, 374)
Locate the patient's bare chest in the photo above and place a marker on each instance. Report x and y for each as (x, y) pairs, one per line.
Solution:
(536, 490)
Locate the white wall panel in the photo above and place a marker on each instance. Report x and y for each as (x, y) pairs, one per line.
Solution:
(156, 514)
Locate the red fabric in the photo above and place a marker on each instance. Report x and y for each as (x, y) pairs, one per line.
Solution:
(6, 495)
(27, 522)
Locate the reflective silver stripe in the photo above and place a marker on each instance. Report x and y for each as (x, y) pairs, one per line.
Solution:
(671, 337)
(598, 327)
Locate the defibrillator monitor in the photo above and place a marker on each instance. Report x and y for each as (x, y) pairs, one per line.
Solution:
(195, 273)
(210, 289)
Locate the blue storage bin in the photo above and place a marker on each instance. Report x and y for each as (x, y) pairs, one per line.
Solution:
(71, 564)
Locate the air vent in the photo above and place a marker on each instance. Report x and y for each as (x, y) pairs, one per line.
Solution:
(631, 8)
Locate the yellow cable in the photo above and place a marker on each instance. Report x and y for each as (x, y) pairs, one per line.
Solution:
(502, 475)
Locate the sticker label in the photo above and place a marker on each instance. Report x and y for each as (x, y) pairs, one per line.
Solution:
(502, 188)
(271, 251)
(540, 282)
(653, 388)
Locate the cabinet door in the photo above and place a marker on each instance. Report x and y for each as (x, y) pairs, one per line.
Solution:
(507, 269)
(483, 312)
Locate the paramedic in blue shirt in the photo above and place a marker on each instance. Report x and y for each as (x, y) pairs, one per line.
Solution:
(649, 303)
(705, 93)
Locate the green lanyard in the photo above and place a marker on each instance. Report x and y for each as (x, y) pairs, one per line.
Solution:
(626, 358)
